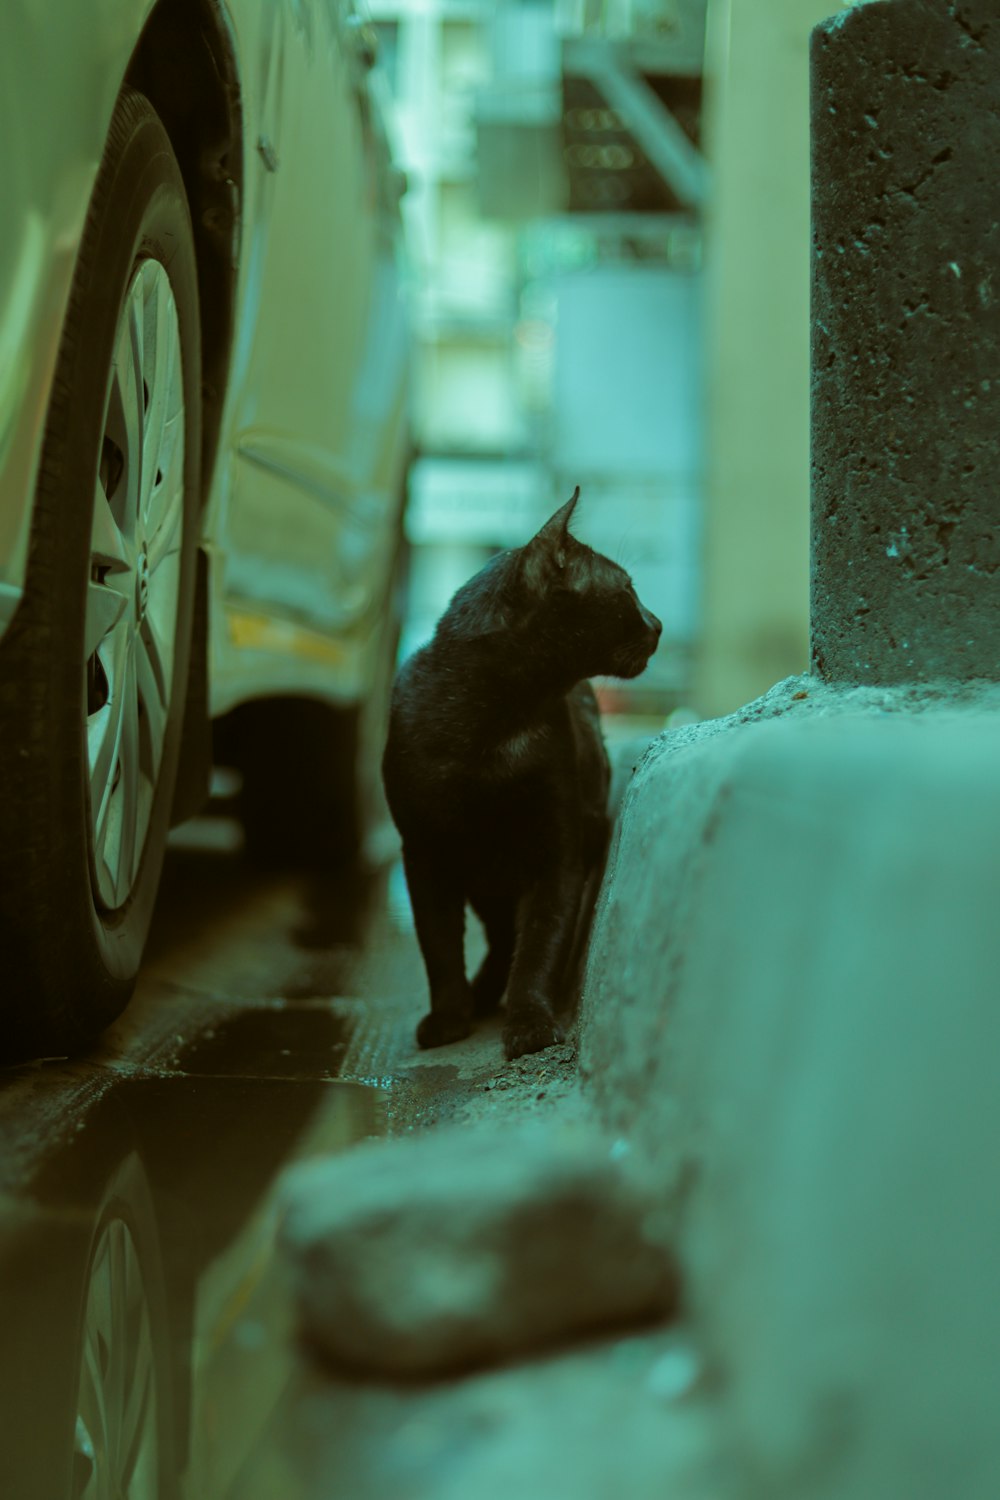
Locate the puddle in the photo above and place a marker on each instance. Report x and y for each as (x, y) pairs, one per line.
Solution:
(145, 1323)
(143, 1317)
(271, 1042)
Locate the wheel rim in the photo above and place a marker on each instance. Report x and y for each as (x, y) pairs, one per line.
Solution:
(133, 591)
(115, 1453)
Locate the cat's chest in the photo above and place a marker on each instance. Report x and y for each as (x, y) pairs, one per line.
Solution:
(519, 754)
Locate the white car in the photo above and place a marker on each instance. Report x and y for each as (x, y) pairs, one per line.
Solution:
(203, 435)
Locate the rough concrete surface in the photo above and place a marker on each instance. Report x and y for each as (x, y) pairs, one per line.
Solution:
(428, 1254)
(629, 1419)
(789, 1029)
(906, 342)
(791, 1011)
(789, 1020)
(622, 1413)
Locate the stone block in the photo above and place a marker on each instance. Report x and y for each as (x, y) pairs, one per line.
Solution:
(457, 1248)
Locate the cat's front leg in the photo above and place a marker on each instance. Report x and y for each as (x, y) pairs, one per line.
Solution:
(496, 911)
(438, 904)
(546, 921)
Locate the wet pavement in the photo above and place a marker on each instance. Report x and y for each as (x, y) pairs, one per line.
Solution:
(147, 1339)
(146, 1331)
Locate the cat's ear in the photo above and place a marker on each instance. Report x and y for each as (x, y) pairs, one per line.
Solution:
(545, 554)
(556, 529)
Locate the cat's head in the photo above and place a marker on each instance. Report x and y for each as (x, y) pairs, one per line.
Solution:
(585, 603)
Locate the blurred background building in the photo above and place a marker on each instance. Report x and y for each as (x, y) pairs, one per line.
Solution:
(607, 212)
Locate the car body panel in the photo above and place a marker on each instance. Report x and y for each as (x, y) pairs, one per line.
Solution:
(304, 499)
(58, 85)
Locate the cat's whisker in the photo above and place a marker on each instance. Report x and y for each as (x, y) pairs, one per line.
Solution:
(624, 556)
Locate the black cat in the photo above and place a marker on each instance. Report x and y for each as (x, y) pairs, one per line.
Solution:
(497, 777)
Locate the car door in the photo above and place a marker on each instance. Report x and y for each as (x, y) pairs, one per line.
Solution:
(309, 490)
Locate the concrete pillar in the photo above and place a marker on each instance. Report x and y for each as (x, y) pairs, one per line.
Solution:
(906, 342)
(755, 618)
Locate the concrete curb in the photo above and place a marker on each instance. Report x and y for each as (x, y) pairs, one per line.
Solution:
(790, 1008)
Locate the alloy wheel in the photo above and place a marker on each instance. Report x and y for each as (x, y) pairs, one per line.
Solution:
(133, 591)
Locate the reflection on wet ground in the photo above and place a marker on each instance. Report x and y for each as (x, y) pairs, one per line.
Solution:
(144, 1327)
(187, 1165)
(146, 1346)
(278, 1041)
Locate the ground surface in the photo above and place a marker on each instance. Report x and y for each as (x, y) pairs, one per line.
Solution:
(274, 1021)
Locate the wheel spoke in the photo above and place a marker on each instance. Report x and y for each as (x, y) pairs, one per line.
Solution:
(163, 475)
(92, 1400)
(104, 731)
(128, 783)
(108, 548)
(161, 613)
(95, 1417)
(140, 1398)
(154, 691)
(91, 1435)
(107, 851)
(105, 607)
(150, 303)
(103, 734)
(85, 1479)
(168, 510)
(124, 422)
(114, 1375)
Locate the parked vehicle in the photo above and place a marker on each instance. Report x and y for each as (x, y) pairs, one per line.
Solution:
(203, 356)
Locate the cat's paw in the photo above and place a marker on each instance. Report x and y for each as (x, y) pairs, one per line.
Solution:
(531, 1032)
(438, 1028)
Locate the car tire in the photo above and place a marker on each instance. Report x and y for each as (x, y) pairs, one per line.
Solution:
(311, 791)
(94, 666)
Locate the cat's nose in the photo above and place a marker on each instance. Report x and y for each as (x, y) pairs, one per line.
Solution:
(650, 621)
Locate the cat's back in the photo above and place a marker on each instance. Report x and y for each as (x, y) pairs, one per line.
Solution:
(412, 711)
(427, 754)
